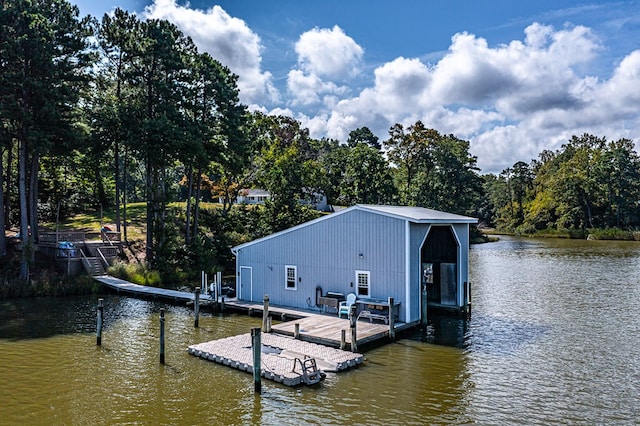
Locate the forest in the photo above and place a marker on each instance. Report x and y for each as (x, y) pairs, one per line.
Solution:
(104, 113)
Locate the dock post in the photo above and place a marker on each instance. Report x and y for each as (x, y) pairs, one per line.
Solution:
(296, 331)
(268, 324)
(196, 307)
(423, 308)
(256, 346)
(222, 304)
(100, 319)
(343, 339)
(265, 314)
(392, 319)
(161, 335)
(352, 323)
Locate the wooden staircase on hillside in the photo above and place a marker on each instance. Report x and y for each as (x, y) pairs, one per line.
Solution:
(95, 251)
(93, 266)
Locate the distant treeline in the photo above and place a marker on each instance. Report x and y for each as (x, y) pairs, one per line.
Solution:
(588, 183)
(104, 113)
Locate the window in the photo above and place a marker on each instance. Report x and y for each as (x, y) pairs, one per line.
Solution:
(362, 279)
(291, 277)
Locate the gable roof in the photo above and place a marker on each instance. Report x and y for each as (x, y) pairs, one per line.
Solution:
(409, 214)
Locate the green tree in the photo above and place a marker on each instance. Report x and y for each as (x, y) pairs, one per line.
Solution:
(45, 61)
(116, 38)
(576, 184)
(367, 178)
(620, 175)
(288, 169)
(363, 135)
(449, 181)
(409, 152)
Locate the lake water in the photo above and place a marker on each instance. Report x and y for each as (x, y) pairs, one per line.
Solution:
(553, 338)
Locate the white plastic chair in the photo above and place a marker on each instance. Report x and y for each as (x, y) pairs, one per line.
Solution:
(344, 306)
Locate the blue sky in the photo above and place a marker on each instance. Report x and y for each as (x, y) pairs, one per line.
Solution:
(512, 77)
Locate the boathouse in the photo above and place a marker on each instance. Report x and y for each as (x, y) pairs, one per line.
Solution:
(375, 252)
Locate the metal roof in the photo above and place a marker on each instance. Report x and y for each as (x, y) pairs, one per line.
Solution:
(418, 214)
(411, 214)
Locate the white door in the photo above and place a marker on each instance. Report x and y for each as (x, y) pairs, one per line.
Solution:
(246, 283)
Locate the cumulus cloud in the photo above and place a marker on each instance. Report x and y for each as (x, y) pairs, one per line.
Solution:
(329, 53)
(511, 101)
(227, 39)
(308, 89)
(325, 56)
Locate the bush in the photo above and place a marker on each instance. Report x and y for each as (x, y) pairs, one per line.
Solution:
(611, 234)
(135, 273)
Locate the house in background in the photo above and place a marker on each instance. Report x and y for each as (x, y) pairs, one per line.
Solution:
(376, 252)
(259, 196)
(253, 196)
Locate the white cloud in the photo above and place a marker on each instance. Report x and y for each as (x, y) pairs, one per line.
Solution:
(511, 100)
(308, 89)
(227, 39)
(325, 56)
(329, 53)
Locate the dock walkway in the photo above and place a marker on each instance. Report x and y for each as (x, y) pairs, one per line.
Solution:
(143, 290)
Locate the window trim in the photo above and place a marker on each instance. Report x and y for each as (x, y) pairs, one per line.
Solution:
(368, 275)
(295, 277)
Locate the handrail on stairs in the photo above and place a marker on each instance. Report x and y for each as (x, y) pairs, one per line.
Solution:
(85, 261)
(104, 260)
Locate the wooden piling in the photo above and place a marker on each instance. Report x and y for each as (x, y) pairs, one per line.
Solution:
(265, 314)
(352, 324)
(343, 339)
(196, 307)
(100, 320)
(296, 332)
(392, 319)
(221, 304)
(161, 335)
(256, 346)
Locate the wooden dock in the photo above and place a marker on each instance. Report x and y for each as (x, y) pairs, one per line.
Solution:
(301, 335)
(281, 356)
(314, 327)
(122, 286)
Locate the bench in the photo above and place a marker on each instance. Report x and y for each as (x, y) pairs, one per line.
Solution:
(372, 316)
(377, 309)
